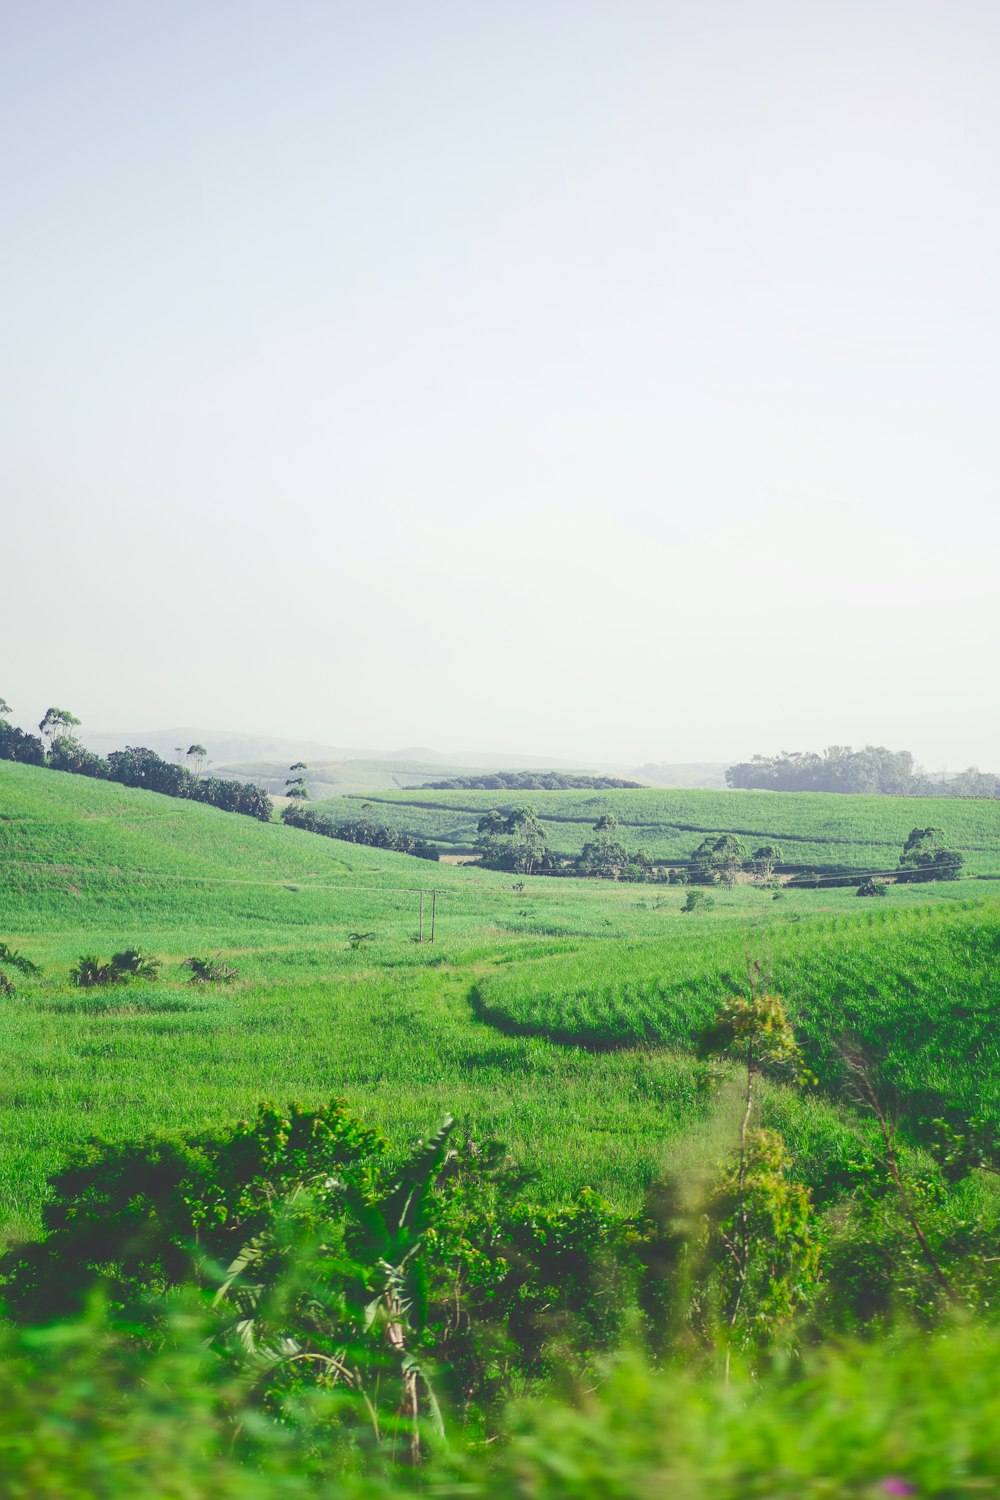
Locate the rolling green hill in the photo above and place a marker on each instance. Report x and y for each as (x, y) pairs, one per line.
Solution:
(870, 981)
(814, 829)
(484, 1023)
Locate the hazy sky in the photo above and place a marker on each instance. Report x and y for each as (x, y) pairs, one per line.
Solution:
(613, 380)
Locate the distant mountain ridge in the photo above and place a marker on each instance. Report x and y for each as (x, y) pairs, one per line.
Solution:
(221, 745)
(230, 746)
(265, 758)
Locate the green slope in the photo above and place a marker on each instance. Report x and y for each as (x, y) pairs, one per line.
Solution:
(917, 989)
(394, 1026)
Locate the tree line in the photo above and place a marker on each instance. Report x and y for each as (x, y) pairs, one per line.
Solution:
(516, 841)
(871, 771)
(56, 747)
(530, 781)
(363, 830)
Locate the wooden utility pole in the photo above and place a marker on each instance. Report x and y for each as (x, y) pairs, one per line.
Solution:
(420, 927)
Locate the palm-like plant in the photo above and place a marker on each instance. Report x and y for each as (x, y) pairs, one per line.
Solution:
(289, 1299)
(209, 971)
(134, 964)
(90, 972)
(17, 960)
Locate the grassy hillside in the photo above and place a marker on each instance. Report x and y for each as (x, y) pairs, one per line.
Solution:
(814, 829)
(404, 1031)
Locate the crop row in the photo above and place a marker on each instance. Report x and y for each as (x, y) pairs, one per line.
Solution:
(916, 989)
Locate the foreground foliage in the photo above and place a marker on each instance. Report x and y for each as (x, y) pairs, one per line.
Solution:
(313, 1305)
(85, 1411)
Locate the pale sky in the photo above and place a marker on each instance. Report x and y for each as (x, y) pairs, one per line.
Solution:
(616, 380)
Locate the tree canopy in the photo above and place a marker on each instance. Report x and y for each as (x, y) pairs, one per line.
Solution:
(513, 841)
(529, 781)
(873, 770)
(926, 857)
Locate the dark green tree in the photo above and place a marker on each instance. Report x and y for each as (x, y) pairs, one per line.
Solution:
(718, 858)
(17, 746)
(925, 857)
(296, 786)
(765, 857)
(605, 855)
(139, 766)
(489, 835)
(67, 754)
(513, 842)
(527, 839)
(873, 887)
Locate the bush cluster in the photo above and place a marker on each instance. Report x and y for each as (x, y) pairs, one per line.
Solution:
(530, 781)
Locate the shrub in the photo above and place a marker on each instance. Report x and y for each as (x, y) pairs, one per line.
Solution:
(17, 960)
(209, 971)
(698, 901)
(333, 1266)
(873, 887)
(134, 964)
(90, 972)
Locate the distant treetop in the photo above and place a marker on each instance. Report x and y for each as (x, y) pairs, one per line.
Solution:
(528, 781)
(873, 770)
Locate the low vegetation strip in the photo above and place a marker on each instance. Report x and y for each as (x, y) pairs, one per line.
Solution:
(528, 781)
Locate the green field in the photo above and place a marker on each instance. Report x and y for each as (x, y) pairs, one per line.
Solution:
(917, 987)
(815, 830)
(484, 1023)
